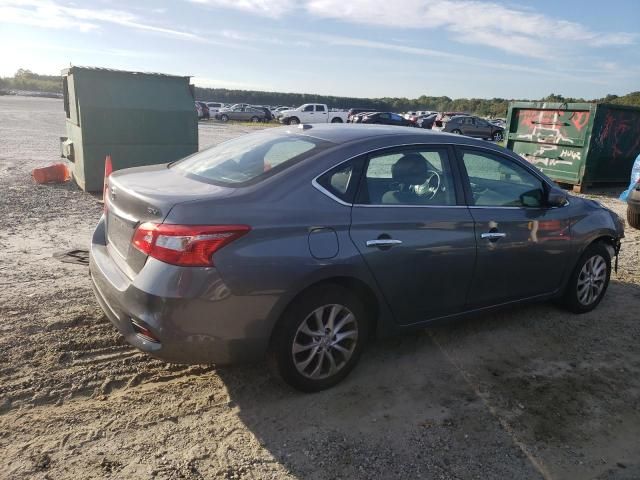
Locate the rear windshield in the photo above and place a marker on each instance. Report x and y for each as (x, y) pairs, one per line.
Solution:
(250, 158)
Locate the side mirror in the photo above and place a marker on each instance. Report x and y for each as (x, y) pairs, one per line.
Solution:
(532, 198)
(556, 198)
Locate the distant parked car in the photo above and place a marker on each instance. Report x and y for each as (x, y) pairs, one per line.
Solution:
(386, 118)
(633, 207)
(632, 195)
(474, 127)
(352, 112)
(311, 113)
(426, 121)
(357, 118)
(203, 110)
(246, 114)
(214, 107)
(444, 117)
(268, 116)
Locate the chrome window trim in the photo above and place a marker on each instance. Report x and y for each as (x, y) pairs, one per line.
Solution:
(324, 191)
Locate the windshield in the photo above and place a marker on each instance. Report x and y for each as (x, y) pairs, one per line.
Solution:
(250, 158)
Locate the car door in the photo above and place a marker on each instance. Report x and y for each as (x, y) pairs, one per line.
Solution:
(415, 234)
(522, 244)
(308, 115)
(321, 114)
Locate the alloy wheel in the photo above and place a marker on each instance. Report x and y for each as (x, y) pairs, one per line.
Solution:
(325, 341)
(591, 280)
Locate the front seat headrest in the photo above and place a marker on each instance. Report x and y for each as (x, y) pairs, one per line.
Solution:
(410, 169)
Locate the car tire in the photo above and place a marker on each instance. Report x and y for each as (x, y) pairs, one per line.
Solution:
(255, 119)
(633, 217)
(310, 368)
(224, 118)
(589, 281)
(293, 121)
(455, 131)
(497, 137)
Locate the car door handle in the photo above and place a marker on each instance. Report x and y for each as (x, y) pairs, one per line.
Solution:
(493, 235)
(383, 242)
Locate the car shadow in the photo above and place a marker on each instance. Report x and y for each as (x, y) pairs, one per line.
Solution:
(457, 400)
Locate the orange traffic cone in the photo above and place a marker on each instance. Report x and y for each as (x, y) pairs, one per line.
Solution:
(108, 168)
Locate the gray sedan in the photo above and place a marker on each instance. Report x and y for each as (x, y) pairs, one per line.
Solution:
(247, 114)
(302, 243)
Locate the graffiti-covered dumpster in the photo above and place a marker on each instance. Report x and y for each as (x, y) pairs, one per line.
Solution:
(580, 144)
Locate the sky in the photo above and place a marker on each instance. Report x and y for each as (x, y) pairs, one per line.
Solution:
(359, 48)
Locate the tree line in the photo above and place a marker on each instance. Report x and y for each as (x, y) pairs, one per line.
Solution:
(495, 107)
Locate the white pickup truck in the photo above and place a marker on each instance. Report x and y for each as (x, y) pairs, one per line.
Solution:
(311, 113)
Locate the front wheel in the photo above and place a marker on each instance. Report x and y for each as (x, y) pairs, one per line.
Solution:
(255, 119)
(293, 121)
(497, 137)
(224, 118)
(319, 339)
(589, 280)
(456, 132)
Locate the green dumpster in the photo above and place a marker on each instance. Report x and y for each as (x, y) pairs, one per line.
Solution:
(136, 118)
(579, 144)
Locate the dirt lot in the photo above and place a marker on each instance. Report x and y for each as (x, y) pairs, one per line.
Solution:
(531, 392)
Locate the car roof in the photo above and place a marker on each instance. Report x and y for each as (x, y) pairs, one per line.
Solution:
(353, 132)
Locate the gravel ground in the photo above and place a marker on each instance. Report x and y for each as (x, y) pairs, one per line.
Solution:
(531, 392)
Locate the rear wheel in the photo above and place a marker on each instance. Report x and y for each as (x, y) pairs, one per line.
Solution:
(589, 280)
(255, 119)
(497, 137)
(294, 121)
(224, 118)
(633, 217)
(319, 339)
(456, 132)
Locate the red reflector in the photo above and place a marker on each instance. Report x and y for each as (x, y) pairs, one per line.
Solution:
(108, 169)
(186, 245)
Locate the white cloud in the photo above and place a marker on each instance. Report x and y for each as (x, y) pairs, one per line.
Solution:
(477, 22)
(267, 8)
(471, 21)
(50, 14)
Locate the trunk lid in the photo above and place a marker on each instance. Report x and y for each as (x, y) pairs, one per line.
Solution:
(146, 194)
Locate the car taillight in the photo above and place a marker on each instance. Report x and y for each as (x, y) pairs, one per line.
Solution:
(185, 245)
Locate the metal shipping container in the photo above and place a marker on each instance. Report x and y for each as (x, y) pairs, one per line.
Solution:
(576, 143)
(137, 118)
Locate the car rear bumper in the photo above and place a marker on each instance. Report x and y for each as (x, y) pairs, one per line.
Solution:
(190, 311)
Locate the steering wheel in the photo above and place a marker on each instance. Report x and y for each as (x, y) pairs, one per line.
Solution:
(431, 186)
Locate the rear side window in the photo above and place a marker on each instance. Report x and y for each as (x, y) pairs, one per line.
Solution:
(250, 158)
(342, 181)
(319, 108)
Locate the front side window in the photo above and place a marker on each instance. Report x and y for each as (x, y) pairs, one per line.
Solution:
(249, 158)
(308, 108)
(499, 182)
(411, 176)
